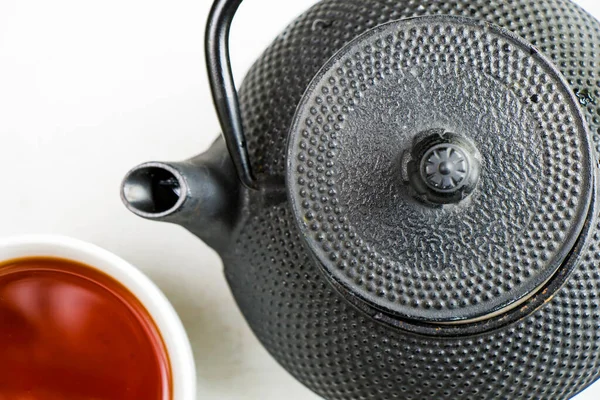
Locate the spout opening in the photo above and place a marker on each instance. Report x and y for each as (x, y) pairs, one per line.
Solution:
(153, 190)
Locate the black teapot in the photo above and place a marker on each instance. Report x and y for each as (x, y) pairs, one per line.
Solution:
(405, 196)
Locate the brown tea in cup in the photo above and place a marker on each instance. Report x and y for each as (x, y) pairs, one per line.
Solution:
(69, 331)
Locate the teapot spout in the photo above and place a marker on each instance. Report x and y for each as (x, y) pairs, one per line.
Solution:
(201, 194)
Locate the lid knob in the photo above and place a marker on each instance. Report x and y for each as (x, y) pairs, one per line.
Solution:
(442, 167)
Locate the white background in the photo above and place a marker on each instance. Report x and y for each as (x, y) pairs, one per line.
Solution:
(89, 89)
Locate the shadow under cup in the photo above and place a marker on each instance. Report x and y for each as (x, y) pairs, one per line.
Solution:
(70, 330)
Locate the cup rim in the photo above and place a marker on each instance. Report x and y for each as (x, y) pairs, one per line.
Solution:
(175, 338)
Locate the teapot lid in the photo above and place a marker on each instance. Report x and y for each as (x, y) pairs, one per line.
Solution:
(440, 169)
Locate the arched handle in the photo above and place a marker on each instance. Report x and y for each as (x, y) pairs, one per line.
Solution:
(223, 87)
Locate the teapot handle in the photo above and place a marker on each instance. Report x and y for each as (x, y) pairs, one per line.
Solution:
(223, 88)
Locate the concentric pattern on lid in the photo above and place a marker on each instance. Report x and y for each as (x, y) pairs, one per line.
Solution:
(366, 108)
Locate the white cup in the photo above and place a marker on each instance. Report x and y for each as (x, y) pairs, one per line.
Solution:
(166, 319)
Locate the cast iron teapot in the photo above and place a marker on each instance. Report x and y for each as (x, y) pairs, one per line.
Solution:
(405, 196)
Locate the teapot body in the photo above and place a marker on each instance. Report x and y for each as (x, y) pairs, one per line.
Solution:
(326, 340)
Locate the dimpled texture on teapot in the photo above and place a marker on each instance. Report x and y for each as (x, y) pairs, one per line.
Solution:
(342, 354)
(312, 330)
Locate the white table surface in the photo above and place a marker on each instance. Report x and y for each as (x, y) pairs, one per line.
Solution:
(89, 89)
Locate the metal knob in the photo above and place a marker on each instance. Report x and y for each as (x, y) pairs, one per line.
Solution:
(443, 168)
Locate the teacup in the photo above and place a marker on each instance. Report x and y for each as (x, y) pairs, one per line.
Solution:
(48, 310)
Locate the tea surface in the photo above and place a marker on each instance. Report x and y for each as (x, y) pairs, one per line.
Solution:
(68, 331)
